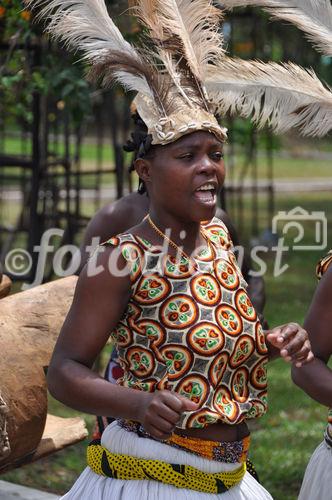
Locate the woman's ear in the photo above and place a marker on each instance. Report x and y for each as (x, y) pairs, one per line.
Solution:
(143, 169)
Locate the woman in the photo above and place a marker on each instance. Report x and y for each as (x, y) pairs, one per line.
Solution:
(169, 290)
(316, 380)
(167, 398)
(129, 211)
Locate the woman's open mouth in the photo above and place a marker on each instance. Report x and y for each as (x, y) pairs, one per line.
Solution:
(207, 194)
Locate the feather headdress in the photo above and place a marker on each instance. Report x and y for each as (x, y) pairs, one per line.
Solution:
(181, 73)
(167, 74)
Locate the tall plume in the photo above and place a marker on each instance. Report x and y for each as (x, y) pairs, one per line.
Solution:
(314, 17)
(195, 23)
(190, 28)
(85, 25)
(280, 95)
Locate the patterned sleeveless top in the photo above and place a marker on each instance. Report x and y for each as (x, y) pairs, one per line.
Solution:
(190, 327)
(321, 268)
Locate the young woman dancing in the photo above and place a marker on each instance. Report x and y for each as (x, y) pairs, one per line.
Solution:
(169, 291)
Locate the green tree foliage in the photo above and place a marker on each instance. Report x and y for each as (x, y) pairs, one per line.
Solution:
(29, 64)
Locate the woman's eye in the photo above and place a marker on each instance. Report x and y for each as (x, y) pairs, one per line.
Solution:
(186, 156)
(218, 155)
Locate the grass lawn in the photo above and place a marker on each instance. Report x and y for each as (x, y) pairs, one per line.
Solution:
(284, 166)
(283, 440)
(89, 154)
(89, 149)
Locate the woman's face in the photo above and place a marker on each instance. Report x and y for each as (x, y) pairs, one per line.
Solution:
(185, 177)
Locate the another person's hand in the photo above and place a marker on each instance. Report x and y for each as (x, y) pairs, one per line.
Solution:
(293, 343)
(161, 411)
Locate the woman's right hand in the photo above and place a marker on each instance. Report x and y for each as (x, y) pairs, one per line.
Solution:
(161, 411)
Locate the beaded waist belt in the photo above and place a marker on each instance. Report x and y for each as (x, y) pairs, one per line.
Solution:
(118, 466)
(224, 451)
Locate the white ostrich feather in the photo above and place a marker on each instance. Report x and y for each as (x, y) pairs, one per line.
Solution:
(193, 25)
(82, 24)
(314, 17)
(282, 96)
(86, 26)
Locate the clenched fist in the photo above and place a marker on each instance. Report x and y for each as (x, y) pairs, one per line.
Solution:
(161, 411)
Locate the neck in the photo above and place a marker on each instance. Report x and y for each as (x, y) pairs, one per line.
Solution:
(183, 233)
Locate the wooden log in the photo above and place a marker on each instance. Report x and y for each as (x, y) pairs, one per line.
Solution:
(58, 433)
(5, 286)
(30, 322)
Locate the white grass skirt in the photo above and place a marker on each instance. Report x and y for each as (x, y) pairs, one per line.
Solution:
(91, 486)
(317, 482)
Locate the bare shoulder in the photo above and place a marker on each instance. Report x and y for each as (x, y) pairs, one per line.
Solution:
(118, 217)
(319, 318)
(112, 219)
(323, 295)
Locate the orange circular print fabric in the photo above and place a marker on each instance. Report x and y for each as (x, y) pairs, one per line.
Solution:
(258, 408)
(194, 387)
(217, 368)
(179, 311)
(178, 360)
(177, 269)
(206, 254)
(224, 402)
(133, 313)
(134, 256)
(155, 332)
(243, 349)
(229, 320)
(260, 339)
(240, 385)
(206, 339)
(123, 335)
(258, 375)
(244, 305)
(205, 289)
(218, 235)
(151, 289)
(192, 329)
(226, 274)
(202, 418)
(141, 361)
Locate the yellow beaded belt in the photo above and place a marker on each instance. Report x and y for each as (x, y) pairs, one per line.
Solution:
(227, 452)
(118, 466)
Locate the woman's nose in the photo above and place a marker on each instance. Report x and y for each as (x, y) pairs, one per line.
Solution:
(206, 166)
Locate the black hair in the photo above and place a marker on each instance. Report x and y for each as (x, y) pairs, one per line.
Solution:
(140, 145)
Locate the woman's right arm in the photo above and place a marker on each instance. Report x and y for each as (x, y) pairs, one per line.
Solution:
(315, 378)
(99, 303)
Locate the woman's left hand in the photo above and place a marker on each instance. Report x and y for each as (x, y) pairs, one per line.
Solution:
(293, 343)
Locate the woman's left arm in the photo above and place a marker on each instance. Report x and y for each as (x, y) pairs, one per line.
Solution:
(316, 378)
